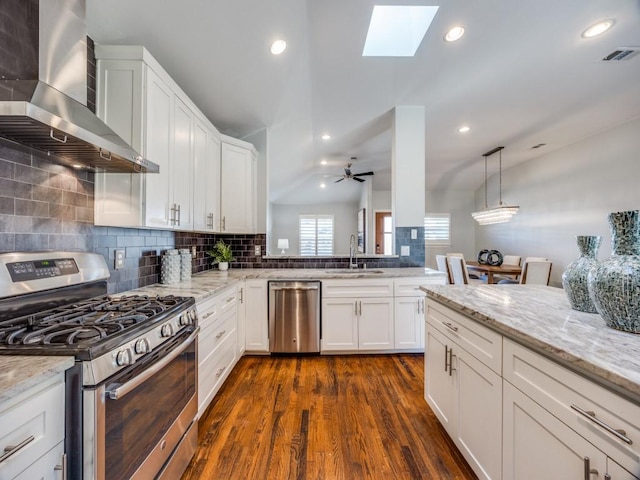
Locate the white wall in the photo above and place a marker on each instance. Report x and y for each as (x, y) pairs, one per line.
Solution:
(285, 224)
(565, 193)
(459, 204)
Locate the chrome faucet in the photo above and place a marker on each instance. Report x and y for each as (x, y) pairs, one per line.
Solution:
(353, 252)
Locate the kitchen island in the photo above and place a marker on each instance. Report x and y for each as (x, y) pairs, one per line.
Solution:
(556, 390)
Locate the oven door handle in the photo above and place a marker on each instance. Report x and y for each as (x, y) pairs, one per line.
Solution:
(122, 390)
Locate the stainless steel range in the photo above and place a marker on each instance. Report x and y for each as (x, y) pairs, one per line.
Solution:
(131, 397)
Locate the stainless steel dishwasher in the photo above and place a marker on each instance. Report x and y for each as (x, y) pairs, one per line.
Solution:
(294, 316)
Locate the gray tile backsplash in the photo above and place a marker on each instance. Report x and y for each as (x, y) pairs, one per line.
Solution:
(47, 206)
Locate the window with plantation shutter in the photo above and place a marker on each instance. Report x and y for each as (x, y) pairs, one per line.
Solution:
(437, 229)
(316, 235)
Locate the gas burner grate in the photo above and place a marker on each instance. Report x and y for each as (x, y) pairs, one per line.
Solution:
(85, 323)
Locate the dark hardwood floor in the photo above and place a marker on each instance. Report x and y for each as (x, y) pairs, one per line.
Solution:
(350, 417)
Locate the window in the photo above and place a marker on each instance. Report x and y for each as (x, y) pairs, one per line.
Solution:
(437, 229)
(316, 235)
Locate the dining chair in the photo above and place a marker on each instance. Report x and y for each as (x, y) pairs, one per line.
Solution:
(469, 275)
(459, 272)
(535, 271)
(443, 266)
(508, 260)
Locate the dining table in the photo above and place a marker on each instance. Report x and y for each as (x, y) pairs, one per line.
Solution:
(490, 270)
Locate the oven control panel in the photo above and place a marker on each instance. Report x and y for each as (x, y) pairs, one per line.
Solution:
(35, 269)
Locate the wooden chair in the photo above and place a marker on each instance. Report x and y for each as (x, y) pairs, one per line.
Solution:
(443, 266)
(459, 272)
(469, 275)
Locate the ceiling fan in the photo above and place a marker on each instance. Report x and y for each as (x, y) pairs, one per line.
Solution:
(349, 175)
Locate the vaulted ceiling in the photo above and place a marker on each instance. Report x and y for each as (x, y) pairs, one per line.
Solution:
(522, 75)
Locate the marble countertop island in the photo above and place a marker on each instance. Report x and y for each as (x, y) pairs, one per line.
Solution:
(540, 318)
(202, 285)
(20, 373)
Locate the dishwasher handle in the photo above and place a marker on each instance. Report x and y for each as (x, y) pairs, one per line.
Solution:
(313, 287)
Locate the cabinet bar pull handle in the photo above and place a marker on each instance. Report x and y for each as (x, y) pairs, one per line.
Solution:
(241, 295)
(224, 223)
(446, 358)
(219, 372)
(179, 216)
(221, 334)
(451, 369)
(62, 467)
(619, 433)
(423, 306)
(61, 140)
(207, 315)
(449, 326)
(588, 471)
(11, 449)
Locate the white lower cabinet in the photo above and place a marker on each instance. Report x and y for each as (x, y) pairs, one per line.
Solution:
(33, 428)
(256, 316)
(409, 323)
(217, 343)
(242, 319)
(537, 445)
(518, 415)
(466, 396)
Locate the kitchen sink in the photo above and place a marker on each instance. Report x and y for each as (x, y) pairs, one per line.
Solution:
(359, 271)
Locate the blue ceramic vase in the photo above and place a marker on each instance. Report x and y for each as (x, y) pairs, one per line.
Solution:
(614, 285)
(575, 277)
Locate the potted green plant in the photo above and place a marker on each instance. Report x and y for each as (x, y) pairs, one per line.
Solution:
(221, 254)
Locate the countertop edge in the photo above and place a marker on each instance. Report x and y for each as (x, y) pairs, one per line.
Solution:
(606, 378)
(23, 372)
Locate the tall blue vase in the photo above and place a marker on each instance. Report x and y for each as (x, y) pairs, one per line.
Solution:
(614, 285)
(574, 278)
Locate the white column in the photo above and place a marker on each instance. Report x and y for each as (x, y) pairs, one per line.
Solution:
(408, 180)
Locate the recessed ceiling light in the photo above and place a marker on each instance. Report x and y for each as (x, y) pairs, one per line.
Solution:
(323, 162)
(326, 137)
(464, 129)
(397, 30)
(322, 185)
(598, 28)
(278, 47)
(454, 34)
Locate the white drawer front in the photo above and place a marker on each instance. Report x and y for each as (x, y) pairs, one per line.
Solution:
(357, 288)
(207, 310)
(557, 388)
(214, 370)
(410, 287)
(40, 417)
(215, 334)
(478, 340)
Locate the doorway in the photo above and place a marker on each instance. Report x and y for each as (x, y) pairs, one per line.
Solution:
(384, 233)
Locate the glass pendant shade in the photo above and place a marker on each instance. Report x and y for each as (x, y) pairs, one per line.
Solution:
(500, 214)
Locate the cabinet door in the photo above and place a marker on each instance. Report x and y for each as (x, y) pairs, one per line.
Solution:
(242, 320)
(339, 324)
(158, 142)
(616, 472)
(212, 200)
(182, 166)
(257, 316)
(479, 414)
(439, 383)
(236, 185)
(409, 323)
(537, 445)
(47, 467)
(375, 324)
(118, 196)
(200, 181)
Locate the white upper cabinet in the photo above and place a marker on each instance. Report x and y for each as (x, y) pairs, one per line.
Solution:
(139, 100)
(238, 185)
(206, 180)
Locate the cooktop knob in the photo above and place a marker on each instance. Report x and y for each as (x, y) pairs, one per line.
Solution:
(123, 357)
(185, 319)
(142, 346)
(166, 330)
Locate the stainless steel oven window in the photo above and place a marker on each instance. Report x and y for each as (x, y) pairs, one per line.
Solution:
(136, 433)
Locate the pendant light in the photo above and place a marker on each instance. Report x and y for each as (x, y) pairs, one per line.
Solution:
(500, 214)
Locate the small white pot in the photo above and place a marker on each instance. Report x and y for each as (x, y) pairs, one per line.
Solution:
(223, 266)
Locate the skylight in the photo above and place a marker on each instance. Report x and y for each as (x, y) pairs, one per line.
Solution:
(397, 30)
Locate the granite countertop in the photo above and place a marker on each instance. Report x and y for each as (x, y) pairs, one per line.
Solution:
(20, 373)
(205, 284)
(540, 317)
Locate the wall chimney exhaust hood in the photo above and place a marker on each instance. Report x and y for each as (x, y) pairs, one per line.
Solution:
(43, 88)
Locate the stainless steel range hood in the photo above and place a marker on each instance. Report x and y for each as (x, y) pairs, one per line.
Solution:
(44, 84)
